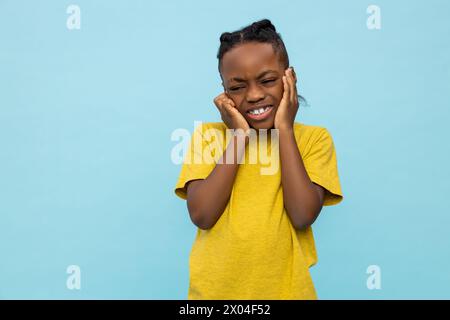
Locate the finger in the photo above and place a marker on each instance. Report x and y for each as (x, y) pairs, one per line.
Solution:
(229, 107)
(286, 89)
(217, 99)
(230, 101)
(224, 98)
(228, 98)
(219, 105)
(221, 97)
(294, 75)
(294, 88)
(295, 91)
(290, 79)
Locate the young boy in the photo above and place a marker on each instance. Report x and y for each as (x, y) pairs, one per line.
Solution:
(254, 238)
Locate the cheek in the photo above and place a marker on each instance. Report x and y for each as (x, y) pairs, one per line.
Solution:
(238, 102)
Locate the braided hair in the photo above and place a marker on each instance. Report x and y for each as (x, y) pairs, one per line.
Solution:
(262, 31)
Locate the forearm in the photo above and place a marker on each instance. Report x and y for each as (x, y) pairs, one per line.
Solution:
(208, 198)
(301, 199)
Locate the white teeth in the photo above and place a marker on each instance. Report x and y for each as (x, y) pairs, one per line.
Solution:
(259, 111)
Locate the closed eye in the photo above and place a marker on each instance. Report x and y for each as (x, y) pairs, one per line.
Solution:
(267, 81)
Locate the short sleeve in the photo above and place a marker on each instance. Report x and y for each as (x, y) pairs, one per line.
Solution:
(195, 165)
(321, 165)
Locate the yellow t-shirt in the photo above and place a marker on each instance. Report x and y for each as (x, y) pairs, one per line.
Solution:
(253, 251)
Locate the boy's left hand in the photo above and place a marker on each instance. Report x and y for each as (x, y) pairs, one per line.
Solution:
(287, 110)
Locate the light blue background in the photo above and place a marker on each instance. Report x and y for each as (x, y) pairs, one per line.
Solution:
(86, 117)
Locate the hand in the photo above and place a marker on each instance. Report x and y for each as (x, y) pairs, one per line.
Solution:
(287, 110)
(230, 115)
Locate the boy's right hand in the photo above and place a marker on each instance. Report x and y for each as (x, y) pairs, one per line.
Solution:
(230, 114)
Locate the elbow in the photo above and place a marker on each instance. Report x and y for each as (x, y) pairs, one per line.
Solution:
(303, 220)
(201, 216)
(197, 213)
(202, 223)
(201, 220)
(302, 225)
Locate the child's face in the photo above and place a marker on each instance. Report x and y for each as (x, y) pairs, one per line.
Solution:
(252, 77)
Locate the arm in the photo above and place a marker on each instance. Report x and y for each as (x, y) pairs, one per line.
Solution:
(302, 198)
(208, 198)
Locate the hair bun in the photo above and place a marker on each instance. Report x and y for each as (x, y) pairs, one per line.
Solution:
(262, 24)
(225, 37)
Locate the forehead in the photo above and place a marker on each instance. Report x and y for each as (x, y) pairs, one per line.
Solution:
(249, 58)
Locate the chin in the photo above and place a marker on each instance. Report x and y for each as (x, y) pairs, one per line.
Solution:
(267, 124)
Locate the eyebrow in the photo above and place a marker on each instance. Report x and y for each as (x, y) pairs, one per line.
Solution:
(262, 74)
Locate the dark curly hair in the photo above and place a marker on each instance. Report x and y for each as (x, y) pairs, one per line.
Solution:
(262, 31)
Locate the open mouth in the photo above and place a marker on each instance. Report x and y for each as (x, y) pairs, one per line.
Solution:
(260, 113)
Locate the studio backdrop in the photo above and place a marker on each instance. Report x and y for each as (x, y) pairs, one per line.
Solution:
(91, 93)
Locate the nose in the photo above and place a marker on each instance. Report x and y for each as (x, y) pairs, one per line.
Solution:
(254, 93)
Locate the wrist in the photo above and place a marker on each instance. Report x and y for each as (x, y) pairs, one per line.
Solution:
(286, 129)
